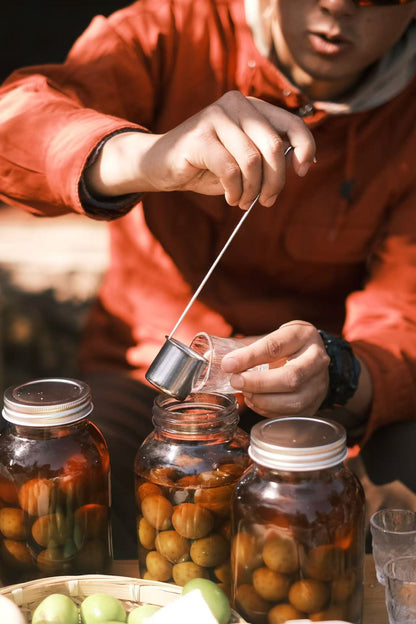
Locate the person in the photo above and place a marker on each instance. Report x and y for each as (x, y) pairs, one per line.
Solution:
(169, 118)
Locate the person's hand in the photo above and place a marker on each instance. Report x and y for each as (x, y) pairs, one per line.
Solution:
(233, 147)
(296, 382)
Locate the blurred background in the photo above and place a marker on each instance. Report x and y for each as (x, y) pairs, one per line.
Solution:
(50, 268)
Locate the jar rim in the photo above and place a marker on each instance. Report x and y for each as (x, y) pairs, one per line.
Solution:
(297, 443)
(47, 402)
(191, 414)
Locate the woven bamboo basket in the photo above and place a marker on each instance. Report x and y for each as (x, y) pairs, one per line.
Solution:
(131, 591)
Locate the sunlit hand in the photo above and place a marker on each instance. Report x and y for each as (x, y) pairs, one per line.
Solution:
(296, 382)
(233, 147)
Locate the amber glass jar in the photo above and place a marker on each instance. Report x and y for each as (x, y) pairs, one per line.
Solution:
(185, 474)
(298, 526)
(54, 483)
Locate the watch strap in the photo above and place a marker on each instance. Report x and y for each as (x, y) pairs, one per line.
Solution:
(344, 370)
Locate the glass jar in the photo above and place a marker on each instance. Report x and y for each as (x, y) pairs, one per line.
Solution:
(54, 483)
(185, 474)
(298, 526)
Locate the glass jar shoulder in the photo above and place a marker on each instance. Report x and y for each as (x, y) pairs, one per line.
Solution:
(302, 495)
(164, 458)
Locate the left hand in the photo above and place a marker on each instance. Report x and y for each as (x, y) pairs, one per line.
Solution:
(296, 382)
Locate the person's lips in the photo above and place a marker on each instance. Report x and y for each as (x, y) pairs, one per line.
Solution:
(328, 43)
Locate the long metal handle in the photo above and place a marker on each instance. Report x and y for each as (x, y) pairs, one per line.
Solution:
(218, 258)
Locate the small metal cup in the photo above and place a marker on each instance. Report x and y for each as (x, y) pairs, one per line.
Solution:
(174, 369)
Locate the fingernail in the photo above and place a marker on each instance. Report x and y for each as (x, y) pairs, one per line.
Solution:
(270, 201)
(237, 382)
(228, 364)
(303, 169)
(314, 160)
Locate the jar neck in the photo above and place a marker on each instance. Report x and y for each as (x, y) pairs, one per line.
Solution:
(45, 432)
(208, 418)
(295, 476)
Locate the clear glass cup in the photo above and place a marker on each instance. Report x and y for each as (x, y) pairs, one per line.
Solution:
(213, 348)
(393, 534)
(400, 575)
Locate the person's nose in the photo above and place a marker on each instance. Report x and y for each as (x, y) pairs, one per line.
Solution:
(338, 7)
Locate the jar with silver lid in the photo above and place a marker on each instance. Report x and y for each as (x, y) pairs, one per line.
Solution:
(185, 474)
(54, 483)
(298, 517)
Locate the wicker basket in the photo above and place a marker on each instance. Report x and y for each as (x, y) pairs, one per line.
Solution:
(131, 591)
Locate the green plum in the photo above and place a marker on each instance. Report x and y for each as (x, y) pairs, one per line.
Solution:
(213, 595)
(141, 614)
(100, 608)
(56, 609)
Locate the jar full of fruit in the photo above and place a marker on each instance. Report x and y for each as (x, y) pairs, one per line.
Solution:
(185, 475)
(298, 526)
(54, 483)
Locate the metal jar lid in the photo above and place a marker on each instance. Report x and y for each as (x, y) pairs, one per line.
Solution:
(47, 402)
(298, 443)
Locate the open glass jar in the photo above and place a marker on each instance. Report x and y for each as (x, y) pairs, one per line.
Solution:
(298, 526)
(185, 474)
(54, 483)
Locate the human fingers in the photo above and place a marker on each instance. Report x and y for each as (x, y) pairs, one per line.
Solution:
(297, 387)
(295, 130)
(262, 163)
(275, 347)
(305, 401)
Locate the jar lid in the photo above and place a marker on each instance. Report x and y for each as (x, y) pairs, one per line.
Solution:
(298, 443)
(47, 402)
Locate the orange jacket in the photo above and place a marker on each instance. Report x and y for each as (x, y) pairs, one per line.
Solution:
(338, 249)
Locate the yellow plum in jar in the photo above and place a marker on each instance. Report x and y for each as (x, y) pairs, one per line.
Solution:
(184, 572)
(281, 613)
(252, 606)
(281, 554)
(92, 520)
(325, 562)
(271, 585)
(308, 595)
(146, 534)
(159, 568)
(210, 551)
(192, 521)
(16, 553)
(13, 523)
(172, 546)
(147, 489)
(158, 511)
(51, 530)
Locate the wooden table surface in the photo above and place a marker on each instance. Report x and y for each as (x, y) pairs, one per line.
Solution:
(374, 604)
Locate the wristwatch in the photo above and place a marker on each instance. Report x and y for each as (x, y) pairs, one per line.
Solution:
(344, 370)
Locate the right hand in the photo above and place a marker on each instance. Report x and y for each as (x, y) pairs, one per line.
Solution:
(233, 147)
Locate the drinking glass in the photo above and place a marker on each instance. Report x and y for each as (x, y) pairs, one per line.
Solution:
(400, 575)
(393, 534)
(213, 348)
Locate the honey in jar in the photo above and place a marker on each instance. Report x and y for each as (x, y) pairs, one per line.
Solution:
(54, 483)
(185, 475)
(298, 526)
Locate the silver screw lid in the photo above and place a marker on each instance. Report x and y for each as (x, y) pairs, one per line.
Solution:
(47, 402)
(298, 443)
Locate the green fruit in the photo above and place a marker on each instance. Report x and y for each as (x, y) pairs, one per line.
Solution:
(141, 614)
(101, 608)
(213, 595)
(56, 609)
